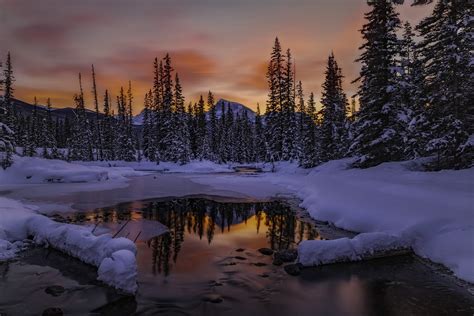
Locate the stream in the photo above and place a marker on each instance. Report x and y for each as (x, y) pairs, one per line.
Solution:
(209, 263)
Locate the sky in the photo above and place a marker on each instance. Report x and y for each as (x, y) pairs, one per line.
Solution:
(217, 45)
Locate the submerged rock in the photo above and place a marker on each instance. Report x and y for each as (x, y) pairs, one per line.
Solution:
(53, 311)
(277, 262)
(55, 290)
(240, 258)
(240, 249)
(266, 251)
(260, 264)
(292, 269)
(213, 298)
(288, 255)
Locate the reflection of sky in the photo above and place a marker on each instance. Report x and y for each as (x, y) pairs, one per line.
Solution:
(215, 44)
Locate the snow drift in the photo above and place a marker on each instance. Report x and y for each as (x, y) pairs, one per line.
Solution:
(115, 258)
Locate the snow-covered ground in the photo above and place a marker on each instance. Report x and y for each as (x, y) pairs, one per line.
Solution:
(431, 212)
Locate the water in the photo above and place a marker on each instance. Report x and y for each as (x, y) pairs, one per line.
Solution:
(208, 264)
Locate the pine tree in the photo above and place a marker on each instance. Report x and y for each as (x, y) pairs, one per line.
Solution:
(98, 121)
(50, 149)
(446, 52)
(125, 142)
(8, 90)
(212, 133)
(378, 126)
(7, 136)
(334, 114)
(301, 112)
(108, 123)
(273, 117)
(148, 147)
(80, 140)
(310, 151)
(200, 131)
(181, 144)
(289, 132)
(260, 143)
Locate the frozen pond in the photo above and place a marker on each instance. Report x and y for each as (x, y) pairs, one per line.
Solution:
(209, 263)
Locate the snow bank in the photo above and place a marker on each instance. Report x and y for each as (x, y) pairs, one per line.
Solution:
(318, 252)
(433, 211)
(120, 271)
(114, 257)
(31, 170)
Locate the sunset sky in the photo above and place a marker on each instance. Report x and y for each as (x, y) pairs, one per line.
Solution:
(216, 45)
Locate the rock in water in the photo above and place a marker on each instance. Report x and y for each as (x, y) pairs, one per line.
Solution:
(53, 311)
(213, 298)
(55, 290)
(289, 255)
(292, 269)
(266, 251)
(277, 262)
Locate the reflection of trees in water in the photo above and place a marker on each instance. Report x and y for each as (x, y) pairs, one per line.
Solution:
(204, 218)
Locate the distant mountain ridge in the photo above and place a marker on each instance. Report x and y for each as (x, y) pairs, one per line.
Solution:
(237, 108)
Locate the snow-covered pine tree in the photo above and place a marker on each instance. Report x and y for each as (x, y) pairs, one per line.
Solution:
(7, 135)
(147, 141)
(334, 114)
(125, 146)
(260, 143)
(50, 148)
(97, 124)
(181, 143)
(311, 148)
(9, 79)
(191, 125)
(273, 114)
(289, 127)
(80, 146)
(378, 126)
(411, 96)
(201, 126)
(108, 130)
(212, 133)
(446, 51)
(301, 112)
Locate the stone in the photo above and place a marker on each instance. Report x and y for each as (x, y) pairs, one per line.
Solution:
(240, 249)
(260, 264)
(277, 262)
(240, 258)
(266, 251)
(213, 298)
(289, 255)
(53, 311)
(55, 290)
(292, 269)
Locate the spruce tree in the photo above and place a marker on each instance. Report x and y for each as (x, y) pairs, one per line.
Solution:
(8, 90)
(273, 117)
(260, 143)
(212, 133)
(310, 150)
(98, 121)
(446, 52)
(7, 135)
(334, 113)
(181, 143)
(80, 146)
(378, 127)
(289, 132)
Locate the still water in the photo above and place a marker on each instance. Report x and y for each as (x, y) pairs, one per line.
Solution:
(208, 263)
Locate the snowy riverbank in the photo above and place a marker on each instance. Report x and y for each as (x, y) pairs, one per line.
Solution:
(431, 212)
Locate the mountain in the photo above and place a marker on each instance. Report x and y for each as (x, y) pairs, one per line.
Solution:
(237, 108)
(26, 109)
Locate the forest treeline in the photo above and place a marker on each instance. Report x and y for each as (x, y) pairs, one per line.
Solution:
(415, 99)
